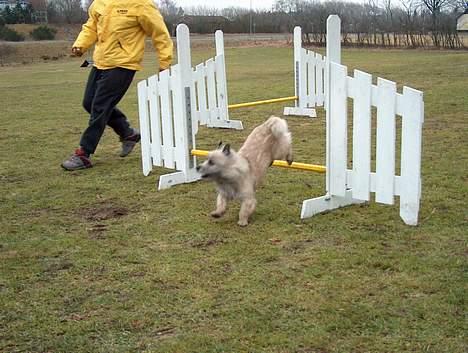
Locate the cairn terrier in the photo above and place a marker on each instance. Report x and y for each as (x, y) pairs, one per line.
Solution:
(238, 174)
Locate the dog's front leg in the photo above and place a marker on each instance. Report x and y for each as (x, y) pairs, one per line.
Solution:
(221, 205)
(246, 210)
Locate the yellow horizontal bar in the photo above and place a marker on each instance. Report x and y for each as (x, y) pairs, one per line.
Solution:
(282, 164)
(268, 101)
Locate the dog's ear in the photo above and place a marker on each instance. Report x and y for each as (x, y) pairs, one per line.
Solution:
(220, 144)
(227, 149)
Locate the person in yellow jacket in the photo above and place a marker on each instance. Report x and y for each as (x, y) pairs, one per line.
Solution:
(118, 29)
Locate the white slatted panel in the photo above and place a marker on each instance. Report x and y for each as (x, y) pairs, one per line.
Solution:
(338, 130)
(211, 83)
(201, 94)
(411, 141)
(311, 67)
(166, 119)
(361, 135)
(221, 87)
(386, 139)
(319, 74)
(144, 128)
(155, 119)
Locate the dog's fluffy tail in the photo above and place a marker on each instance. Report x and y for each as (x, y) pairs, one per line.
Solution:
(279, 127)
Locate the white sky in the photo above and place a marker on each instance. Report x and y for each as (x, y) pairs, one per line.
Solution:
(258, 4)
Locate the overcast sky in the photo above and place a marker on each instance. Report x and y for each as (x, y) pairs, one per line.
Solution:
(258, 4)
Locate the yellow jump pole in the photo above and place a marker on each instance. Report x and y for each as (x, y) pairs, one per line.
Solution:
(268, 101)
(282, 164)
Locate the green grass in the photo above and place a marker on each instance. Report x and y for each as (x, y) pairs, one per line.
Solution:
(99, 261)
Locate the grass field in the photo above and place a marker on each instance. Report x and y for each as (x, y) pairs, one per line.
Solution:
(99, 261)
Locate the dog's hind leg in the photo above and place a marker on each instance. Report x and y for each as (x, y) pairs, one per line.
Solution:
(290, 155)
(246, 210)
(221, 205)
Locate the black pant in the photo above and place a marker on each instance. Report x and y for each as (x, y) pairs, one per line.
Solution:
(104, 90)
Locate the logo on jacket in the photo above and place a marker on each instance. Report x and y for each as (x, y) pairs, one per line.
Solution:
(122, 11)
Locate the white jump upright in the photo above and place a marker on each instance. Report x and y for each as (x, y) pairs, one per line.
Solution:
(347, 186)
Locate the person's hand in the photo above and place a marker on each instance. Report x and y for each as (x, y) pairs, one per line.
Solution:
(77, 51)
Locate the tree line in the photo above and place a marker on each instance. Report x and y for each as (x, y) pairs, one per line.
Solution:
(390, 23)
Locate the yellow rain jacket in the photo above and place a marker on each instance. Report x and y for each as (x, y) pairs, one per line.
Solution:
(119, 29)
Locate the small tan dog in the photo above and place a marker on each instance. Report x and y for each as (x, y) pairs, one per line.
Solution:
(238, 174)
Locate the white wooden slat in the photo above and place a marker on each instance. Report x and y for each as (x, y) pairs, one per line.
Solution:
(221, 87)
(210, 78)
(334, 39)
(201, 94)
(385, 141)
(144, 127)
(219, 42)
(362, 135)
(194, 103)
(194, 100)
(302, 79)
(297, 61)
(311, 65)
(155, 120)
(338, 130)
(319, 74)
(166, 119)
(178, 119)
(411, 141)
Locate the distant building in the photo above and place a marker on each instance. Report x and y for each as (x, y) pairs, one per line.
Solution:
(12, 3)
(39, 7)
(462, 22)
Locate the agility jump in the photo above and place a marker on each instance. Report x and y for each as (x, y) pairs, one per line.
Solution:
(173, 105)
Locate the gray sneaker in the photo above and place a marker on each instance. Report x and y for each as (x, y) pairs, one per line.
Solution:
(129, 143)
(77, 161)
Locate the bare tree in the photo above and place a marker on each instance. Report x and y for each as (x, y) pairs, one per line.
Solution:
(171, 13)
(70, 10)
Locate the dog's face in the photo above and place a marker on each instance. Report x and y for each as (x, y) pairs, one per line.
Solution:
(216, 162)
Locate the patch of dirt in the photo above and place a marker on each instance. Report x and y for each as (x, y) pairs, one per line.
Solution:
(103, 212)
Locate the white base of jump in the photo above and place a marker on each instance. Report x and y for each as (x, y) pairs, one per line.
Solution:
(326, 203)
(296, 111)
(226, 124)
(168, 180)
